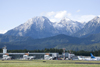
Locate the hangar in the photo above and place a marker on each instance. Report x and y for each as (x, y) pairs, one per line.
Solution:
(28, 55)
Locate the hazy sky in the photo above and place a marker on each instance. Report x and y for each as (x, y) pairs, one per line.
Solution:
(16, 12)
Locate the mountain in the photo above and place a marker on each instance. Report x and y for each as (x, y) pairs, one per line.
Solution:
(92, 27)
(67, 26)
(90, 43)
(37, 27)
(6, 38)
(42, 27)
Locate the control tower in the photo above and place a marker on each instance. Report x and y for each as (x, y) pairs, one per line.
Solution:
(4, 49)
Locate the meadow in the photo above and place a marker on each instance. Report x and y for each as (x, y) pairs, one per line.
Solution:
(48, 63)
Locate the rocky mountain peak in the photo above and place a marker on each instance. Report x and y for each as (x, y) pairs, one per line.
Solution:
(66, 19)
(40, 18)
(96, 19)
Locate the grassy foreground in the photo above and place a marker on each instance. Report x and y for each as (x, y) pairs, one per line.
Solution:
(48, 63)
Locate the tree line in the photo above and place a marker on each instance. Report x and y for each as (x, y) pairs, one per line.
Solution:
(53, 50)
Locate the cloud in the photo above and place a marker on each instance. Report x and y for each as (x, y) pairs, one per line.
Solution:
(56, 16)
(78, 10)
(50, 13)
(3, 31)
(83, 18)
(61, 14)
(53, 20)
(99, 15)
(86, 17)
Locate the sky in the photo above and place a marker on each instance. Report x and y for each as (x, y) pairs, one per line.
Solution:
(16, 12)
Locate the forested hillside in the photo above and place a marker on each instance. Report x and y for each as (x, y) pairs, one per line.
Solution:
(90, 43)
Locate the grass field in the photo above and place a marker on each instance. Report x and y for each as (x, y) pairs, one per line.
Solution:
(48, 63)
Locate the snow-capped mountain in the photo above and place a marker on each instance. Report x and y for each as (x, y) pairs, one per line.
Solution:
(92, 27)
(41, 27)
(39, 22)
(37, 27)
(67, 26)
